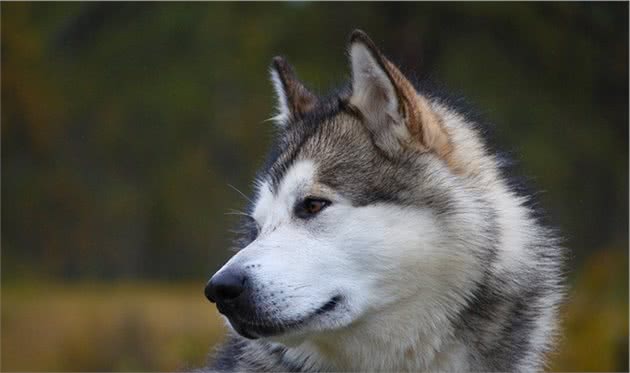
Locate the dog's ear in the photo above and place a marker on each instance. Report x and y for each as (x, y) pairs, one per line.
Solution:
(293, 98)
(391, 108)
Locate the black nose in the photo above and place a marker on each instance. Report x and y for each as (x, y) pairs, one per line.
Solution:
(225, 285)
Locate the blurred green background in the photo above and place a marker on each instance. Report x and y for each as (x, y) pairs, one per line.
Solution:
(124, 123)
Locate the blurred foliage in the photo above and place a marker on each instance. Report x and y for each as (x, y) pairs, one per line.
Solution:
(595, 318)
(124, 123)
(102, 328)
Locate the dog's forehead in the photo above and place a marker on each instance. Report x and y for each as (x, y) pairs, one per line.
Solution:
(343, 158)
(331, 144)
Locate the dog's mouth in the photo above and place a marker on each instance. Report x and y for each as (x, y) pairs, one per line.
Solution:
(254, 327)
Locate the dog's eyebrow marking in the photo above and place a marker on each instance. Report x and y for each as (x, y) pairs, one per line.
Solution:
(300, 174)
(299, 133)
(285, 161)
(272, 207)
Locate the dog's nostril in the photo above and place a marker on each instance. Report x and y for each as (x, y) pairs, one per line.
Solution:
(208, 293)
(225, 285)
(229, 291)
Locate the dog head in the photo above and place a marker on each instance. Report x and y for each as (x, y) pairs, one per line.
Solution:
(359, 208)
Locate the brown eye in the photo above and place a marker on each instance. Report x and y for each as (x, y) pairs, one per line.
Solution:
(310, 207)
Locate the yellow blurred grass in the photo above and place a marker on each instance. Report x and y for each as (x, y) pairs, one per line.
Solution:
(595, 317)
(170, 327)
(105, 327)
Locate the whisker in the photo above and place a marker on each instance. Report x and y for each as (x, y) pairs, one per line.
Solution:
(300, 287)
(241, 193)
(237, 213)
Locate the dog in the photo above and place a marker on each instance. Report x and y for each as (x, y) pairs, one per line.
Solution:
(383, 235)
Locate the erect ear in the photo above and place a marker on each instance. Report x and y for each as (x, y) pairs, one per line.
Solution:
(294, 99)
(391, 108)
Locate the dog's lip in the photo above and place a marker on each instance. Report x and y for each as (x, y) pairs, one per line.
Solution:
(255, 330)
(242, 330)
(224, 309)
(329, 306)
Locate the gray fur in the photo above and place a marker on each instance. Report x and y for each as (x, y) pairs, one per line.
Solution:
(507, 321)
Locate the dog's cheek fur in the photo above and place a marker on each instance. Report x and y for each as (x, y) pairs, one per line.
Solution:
(385, 244)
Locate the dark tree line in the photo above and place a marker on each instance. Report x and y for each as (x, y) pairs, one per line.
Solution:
(123, 124)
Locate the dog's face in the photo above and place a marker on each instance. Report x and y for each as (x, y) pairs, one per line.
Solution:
(348, 217)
